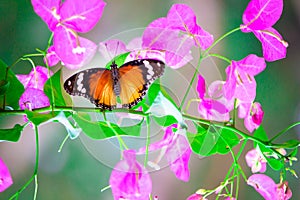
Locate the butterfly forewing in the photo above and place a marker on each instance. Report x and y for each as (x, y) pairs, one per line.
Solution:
(135, 77)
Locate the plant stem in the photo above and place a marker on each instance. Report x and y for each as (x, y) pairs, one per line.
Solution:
(220, 39)
(63, 143)
(121, 141)
(147, 141)
(34, 176)
(218, 56)
(191, 83)
(70, 109)
(284, 130)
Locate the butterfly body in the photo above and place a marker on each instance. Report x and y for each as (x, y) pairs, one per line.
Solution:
(129, 83)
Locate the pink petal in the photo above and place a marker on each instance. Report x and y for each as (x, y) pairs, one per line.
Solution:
(254, 118)
(213, 110)
(203, 38)
(216, 92)
(33, 98)
(264, 185)
(252, 64)
(112, 48)
(157, 35)
(178, 155)
(230, 84)
(283, 191)
(36, 78)
(166, 141)
(274, 47)
(177, 49)
(129, 179)
(261, 14)
(182, 17)
(246, 90)
(257, 113)
(48, 11)
(195, 197)
(5, 177)
(52, 58)
(201, 87)
(244, 109)
(255, 161)
(81, 15)
(215, 89)
(74, 51)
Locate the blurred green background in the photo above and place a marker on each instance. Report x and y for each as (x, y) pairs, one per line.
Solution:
(75, 173)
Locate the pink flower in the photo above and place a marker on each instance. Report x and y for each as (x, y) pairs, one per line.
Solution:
(283, 191)
(177, 151)
(175, 35)
(129, 179)
(259, 17)
(34, 96)
(240, 82)
(212, 107)
(252, 114)
(65, 20)
(181, 17)
(195, 197)
(267, 188)
(5, 177)
(256, 161)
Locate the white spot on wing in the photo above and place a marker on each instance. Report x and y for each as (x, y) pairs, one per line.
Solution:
(150, 69)
(79, 82)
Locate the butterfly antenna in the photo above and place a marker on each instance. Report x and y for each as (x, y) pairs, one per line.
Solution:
(110, 56)
(116, 50)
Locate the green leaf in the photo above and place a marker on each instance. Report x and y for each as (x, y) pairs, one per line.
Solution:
(59, 96)
(39, 118)
(4, 85)
(293, 153)
(119, 60)
(101, 130)
(12, 88)
(12, 134)
(165, 112)
(275, 164)
(165, 121)
(261, 134)
(212, 140)
(290, 144)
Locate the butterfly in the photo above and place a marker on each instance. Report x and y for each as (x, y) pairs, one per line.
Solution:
(103, 87)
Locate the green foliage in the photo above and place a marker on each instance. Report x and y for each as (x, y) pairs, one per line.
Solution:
(211, 140)
(274, 163)
(59, 99)
(162, 107)
(119, 60)
(38, 118)
(4, 85)
(10, 88)
(12, 134)
(101, 130)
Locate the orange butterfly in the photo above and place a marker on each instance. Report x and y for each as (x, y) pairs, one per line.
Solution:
(129, 82)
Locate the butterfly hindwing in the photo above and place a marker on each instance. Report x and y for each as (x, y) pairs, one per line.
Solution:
(135, 78)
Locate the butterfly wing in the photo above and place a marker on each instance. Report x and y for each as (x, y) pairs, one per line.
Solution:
(94, 84)
(135, 78)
